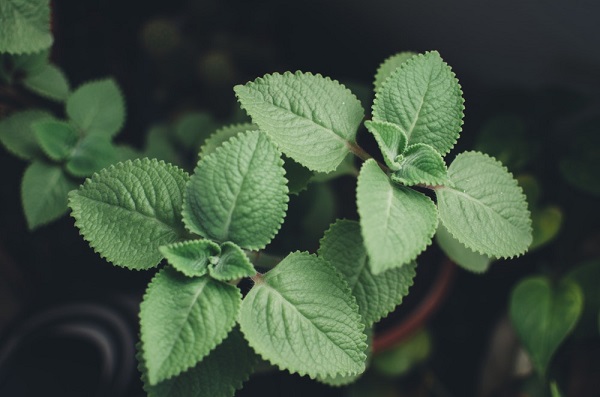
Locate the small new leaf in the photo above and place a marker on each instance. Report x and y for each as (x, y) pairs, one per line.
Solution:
(57, 138)
(389, 66)
(421, 165)
(232, 264)
(424, 98)
(91, 154)
(182, 319)
(486, 209)
(397, 222)
(97, 107)
(191, 257)
(342, 246)
(312, 119)
(24, 26)
(238, 193)
(127, 211)
(16, 134)
(50, 82)
(302, 317)
(390, 138)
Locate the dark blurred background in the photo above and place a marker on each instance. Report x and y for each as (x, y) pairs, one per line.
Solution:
(536, 61)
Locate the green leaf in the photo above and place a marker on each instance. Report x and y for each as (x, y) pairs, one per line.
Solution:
(222, 135)
(421, 165)
(50, 83)
(505, 138)
(97, 107)
(554, 390)
(91, 154)
(301, 317)
(191, 257)
(312, 119)
(44, 192)
(587, 275)
(346, 167)
(127, 211)
(193, 128)
(126, 152)
(546, 223)
(238, 193)
(376, 295)
(486, 209)
(24, 26)
(402, 358)
(390, 138)
(29, 64)
(389, 66)
(159, 145)
(182, 319)
(232, 264)
(424, 98)
(219, 374)
(459, 254)
(297, 175)
(57, 138)
(16, 134)
(543, 315)
(397, 222)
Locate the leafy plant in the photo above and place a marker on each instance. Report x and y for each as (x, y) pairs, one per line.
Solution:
(309, 313)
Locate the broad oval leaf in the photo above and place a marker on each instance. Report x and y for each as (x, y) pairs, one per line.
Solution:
(312, 119)
(24, 26)
(424, 98)
(390, 139)
(421, 164)
(44, 191)
(97, 107)
(459, 254)
(232, 264)
(182, 319)
(222, 135)
(301, 317)
(486, 209)
(17, 135)
(376, 295)
(191, 257)
(91, 154)
(238, 193)
(397, 222)
(50, 82)
(543, 315)
(57, 138)
(389, 66)
(127, 211)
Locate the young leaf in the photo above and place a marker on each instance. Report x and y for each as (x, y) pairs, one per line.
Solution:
(223, 134)
(57, 138)
(543, 315)
(233, 264)
(50, 82)
(44, 193)
(24, 26)
(301, 317)
(459, 254)
(182, 319)
(390, 138)
(16, 134)
(311, 118)
(486, 209)
(193, 128)
(389, 66)
(397, 222)
(219, 374)
(127, 211)
(238, 193)
(376, 295)
(191, 257)
(421, 164)
(424, 98)
(91, 154)
(97, 107)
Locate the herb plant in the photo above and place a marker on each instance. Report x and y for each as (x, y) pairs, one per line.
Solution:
(309, 313)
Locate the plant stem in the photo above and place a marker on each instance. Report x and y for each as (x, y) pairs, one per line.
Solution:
(363, 155)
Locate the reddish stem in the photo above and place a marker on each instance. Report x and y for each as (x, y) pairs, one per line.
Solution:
(421, 314)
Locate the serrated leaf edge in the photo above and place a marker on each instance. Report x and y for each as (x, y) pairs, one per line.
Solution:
(251, 127)
(379, 71)
(424, 181)
(179, 244)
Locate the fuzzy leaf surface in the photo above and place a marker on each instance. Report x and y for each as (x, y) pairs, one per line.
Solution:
(56, 138)
(233, 264)
(376, 295)
(389, 66)
(424, 98)
(397, 222)
(44, 191)
(191, 257)
(486, 209)
(311, 118)
(421, 164)
(543, 315)
(182, 319)
(238, 193)
(24, 26)
(302, 317)
(222, 135)
(390, 139)
(459, 254)
(127, 211)
(16, 133)
(97, 107)
(219, 374)
(91, 154)
(50, 82)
